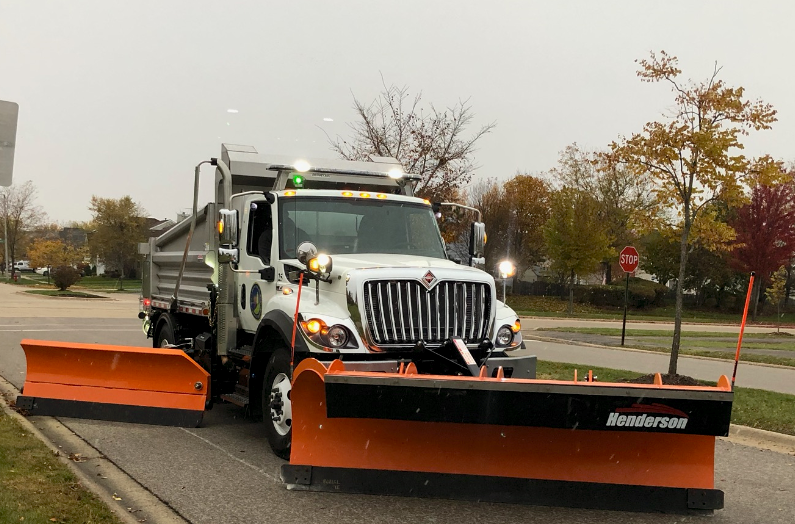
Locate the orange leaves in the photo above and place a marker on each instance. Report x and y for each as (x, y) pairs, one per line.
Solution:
(695, 154)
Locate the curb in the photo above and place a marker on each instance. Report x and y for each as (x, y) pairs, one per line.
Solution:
(96, 472)
(635, 350)
(761, 438)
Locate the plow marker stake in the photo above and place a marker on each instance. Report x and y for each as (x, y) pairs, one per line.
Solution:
(118, 383)
(492, 457)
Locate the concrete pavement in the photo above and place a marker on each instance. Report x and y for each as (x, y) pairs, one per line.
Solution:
(546, 323)
(18, 304)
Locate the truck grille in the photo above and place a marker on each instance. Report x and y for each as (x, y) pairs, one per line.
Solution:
(403, 312)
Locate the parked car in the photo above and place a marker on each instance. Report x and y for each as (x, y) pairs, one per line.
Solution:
(22, 265)
(45, 271)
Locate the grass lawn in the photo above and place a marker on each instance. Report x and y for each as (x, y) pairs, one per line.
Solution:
(616, 332)
(109, 284)
(58, 293)
(25, 279)
(752, 407)
(36, 487)
(555, 307)
(660, 341)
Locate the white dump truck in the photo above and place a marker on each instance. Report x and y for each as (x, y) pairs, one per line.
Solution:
(376, 286)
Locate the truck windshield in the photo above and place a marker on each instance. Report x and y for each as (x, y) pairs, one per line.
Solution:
(346, 226)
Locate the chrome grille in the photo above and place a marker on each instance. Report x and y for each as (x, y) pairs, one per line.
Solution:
(403, 312)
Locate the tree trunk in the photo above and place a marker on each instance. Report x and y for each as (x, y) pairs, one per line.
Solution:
(755, 298)
(778, 317)
(571, 294)
(608, 273)
(679, 292)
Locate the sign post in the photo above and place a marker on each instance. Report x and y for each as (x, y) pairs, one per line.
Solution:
(628, 260)
(9, 113)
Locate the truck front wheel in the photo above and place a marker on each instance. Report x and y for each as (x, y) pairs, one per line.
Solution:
(276, 405)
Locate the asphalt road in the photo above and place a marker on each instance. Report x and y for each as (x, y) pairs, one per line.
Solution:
(224, 472)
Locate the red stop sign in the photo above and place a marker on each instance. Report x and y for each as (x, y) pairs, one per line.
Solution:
(628, 260)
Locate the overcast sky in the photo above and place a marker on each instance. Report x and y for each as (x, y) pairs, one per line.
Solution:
(122, 98)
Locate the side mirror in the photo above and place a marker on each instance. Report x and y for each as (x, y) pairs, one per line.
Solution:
(228, 255)
(477, 239)
(227, 227)
(305, 252)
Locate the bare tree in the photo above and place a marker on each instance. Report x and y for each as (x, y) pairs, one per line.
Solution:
(21, 215)
(432, 143)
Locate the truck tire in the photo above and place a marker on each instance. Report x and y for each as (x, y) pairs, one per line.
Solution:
(276, 406)
(165, 335)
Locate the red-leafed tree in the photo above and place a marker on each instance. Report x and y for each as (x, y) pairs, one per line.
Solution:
(765, 232)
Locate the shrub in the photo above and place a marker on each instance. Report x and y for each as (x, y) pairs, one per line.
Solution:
(65, 276)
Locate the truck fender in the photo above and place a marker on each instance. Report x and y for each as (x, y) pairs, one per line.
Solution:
(275, 330)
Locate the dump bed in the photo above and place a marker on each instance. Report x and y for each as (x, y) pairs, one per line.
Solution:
(163, 256)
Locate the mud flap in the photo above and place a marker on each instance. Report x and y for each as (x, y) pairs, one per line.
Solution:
(117, 383)
(507, 440)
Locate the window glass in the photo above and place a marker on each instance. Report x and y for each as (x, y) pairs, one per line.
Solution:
(348, 226)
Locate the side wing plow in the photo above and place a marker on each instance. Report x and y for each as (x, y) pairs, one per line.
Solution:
(118, 383)
(582, 444)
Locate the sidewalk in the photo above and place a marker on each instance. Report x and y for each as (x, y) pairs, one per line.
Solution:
(749, 375)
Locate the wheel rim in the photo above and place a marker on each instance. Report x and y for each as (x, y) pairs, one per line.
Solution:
(281, 408)
(165, 343)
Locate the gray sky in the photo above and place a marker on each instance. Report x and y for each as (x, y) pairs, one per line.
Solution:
(126, 97)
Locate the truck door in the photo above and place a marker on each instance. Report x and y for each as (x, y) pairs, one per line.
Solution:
(253, 291)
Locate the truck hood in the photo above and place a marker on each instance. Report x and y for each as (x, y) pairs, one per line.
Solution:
(345, 263)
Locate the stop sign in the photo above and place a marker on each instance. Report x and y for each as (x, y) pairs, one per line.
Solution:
(628, 260)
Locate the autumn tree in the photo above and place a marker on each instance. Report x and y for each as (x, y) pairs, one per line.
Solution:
(694, 156)
(117, 226)
(515, 213)
(428, 141)
(21, 214)
(623, 198)
(765, 229)
(55, 255)
(659, 256)
(577, 240)
(777, 291)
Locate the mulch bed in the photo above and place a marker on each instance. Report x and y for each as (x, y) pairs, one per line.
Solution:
(673, 380)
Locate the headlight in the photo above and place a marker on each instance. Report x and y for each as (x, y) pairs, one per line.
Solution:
(504, 336)
(337, 336)
(334, 337)
(320, 264)
(506, 269)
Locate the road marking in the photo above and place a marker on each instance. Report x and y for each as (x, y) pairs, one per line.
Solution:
(219, 448)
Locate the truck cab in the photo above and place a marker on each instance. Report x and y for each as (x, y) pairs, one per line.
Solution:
(327, 259)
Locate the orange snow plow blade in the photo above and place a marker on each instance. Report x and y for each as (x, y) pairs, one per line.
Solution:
(118, 383)
(582, 444)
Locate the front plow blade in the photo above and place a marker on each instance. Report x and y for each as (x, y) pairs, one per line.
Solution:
(597, 445)
(118, 383)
